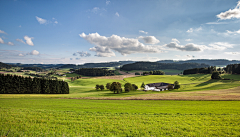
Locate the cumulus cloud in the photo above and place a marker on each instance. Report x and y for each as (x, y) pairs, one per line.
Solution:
(34, 52)
(141, 31)
(1, 41)
(95, 9)
(56, 22)
(119, 44)
(149, 39)
(231, 13)
(175, 40)
(188, 47)
(102, 51)
(117, 14)
(232, 53)
(188, 39)
(20, 40)
(192, 30)
(41, 20)
(21, 55)
(190, 56)
(29, 40)
(82, 54)
(1, 31)
(10, 43)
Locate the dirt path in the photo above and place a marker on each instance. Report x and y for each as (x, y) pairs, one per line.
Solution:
(222, 94)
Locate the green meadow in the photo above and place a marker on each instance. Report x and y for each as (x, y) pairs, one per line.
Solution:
(61, 115)
(71, 117)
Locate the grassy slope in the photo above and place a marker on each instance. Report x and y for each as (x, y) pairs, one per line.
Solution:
(67, 117)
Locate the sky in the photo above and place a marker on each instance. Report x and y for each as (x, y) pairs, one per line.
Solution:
(91, 31)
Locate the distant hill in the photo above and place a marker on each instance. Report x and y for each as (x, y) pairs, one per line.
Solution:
(149, 66)
(95, 65)
(211, 62)
(3, 65)
(43, 66)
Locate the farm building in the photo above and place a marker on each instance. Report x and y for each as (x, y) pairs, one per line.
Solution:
(157, 86)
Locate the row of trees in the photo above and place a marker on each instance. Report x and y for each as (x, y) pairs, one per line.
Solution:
(155, 72)
(94, 72)
(157, 66)
(33, 68)
(116, 87)
(208, 70)
(233, 69)
(10, 84)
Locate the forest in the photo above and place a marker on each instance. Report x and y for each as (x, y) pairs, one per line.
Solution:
(12, 84)
(149, 66)
(233, 69)
(94, 72)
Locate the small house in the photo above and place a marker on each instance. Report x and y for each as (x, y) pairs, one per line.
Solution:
(157, 86)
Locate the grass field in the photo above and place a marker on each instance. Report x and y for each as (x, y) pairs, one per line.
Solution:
(70, 117)
(56, 115)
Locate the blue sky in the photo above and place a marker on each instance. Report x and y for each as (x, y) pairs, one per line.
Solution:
(81, 31)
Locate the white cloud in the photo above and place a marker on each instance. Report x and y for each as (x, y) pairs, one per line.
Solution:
(141, 31)
(1, 41)
(107, 2)
(56, 22)
(20, 40)
(233, 32)
(19, 26)
(34, 52)
(190, 56)
(232, 53)
(188, 47)
(120, 44)
(21, 55)
(82, 54)
(149, 39)
(175, 40)
(117, 14)
(10, 43)
(192, 30)
(41, 20)
(188, 39)
(29, 40)
(95, 9)
(220, 46)
(216, 23)
(102, 51)
(78, 58)
(231, 13)
(1, 31)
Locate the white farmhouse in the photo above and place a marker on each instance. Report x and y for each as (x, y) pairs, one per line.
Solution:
(157, 86)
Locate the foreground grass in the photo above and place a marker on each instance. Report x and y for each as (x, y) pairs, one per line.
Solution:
(69, 117)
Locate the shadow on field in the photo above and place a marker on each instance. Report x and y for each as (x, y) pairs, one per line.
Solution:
(207, 83)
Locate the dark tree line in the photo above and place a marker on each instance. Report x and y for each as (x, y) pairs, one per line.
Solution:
(233, 69)
(10, 84)
(155, 72)
(33, 68)
(3, 65)
(208, 70)
(94, 72)
(148, 66)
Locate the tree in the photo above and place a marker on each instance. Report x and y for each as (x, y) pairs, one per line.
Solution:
(101, 87)
(97, 87)
(115, 87)
(128, 87)
(170, 87)
(176, 85)
(108, 85)
(143, 85)
(134, 87)
(137, 73)
(215, 75)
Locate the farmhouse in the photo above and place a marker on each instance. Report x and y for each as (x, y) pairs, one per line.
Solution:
(157, 86)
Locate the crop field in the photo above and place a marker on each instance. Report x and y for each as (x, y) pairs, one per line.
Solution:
(71, 117)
